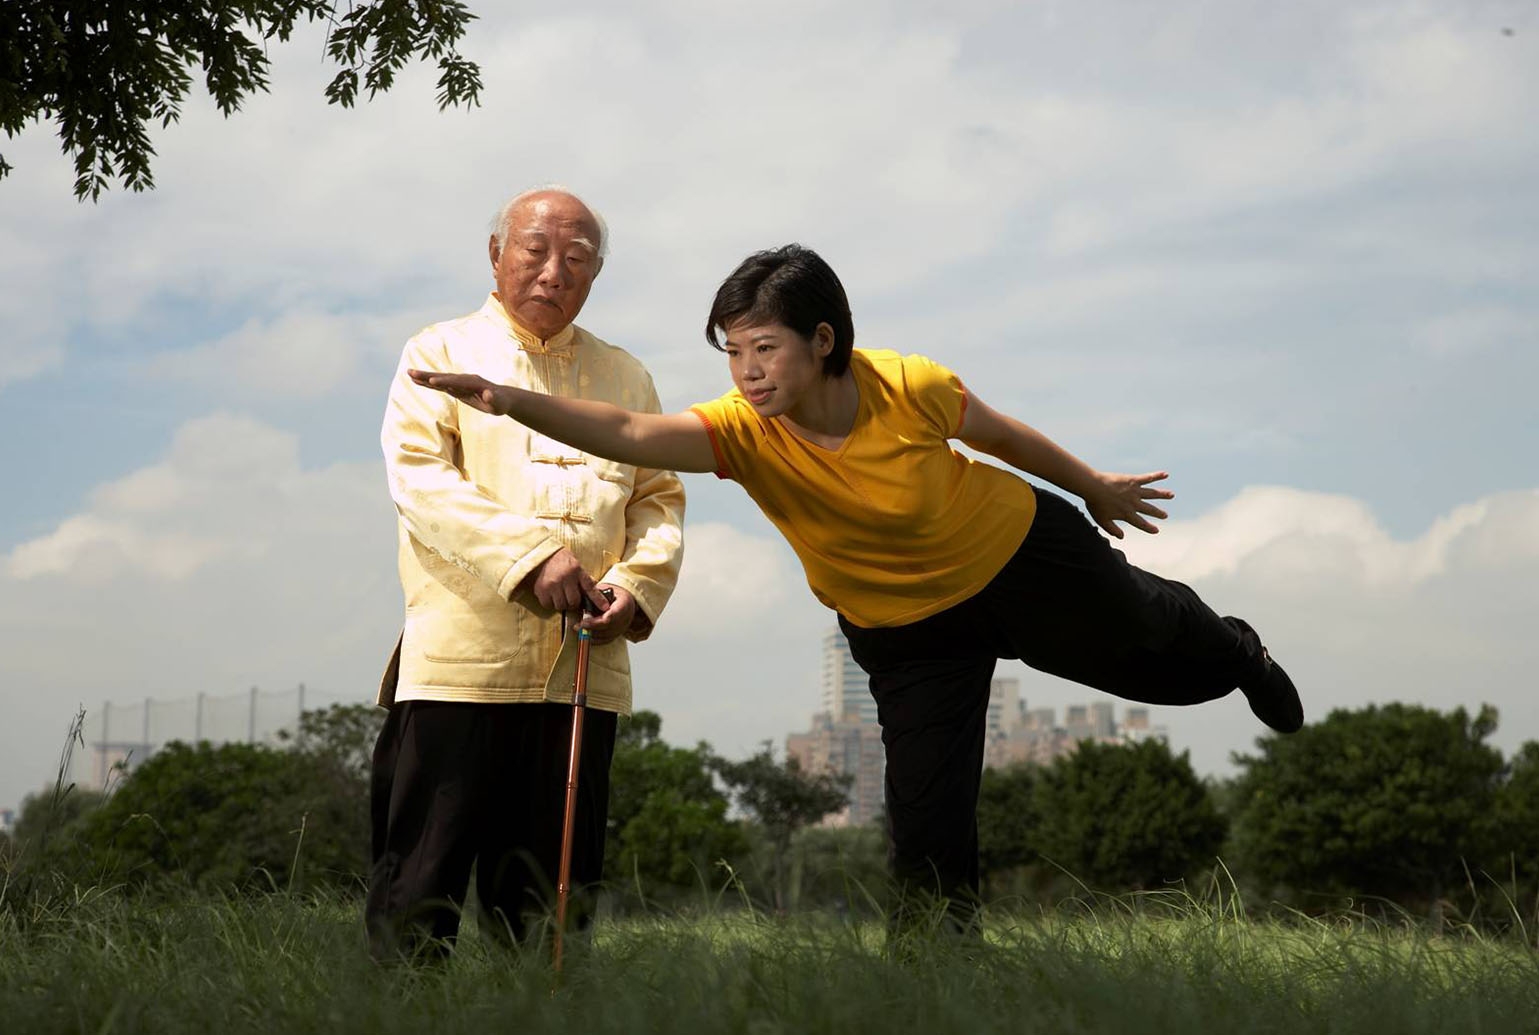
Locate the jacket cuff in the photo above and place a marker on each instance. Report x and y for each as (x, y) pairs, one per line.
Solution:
(647, 605)
(521, 568)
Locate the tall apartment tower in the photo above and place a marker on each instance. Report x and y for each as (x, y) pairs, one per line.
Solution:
(1004, 706)
(845, 737)
(1103, 720)
(846, 689)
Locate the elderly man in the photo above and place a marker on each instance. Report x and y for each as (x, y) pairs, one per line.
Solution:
(504, 533)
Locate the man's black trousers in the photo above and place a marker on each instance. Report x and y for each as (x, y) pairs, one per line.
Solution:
(1066, 603)
(456, 784)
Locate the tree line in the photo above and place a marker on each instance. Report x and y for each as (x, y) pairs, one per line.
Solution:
(1389, 807)
(253, 818)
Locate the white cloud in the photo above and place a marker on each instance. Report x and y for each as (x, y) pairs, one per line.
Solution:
(19, 362)
(1358, 616)
(734, 579)
(298, 354)
(1282, 538)
(90, 549)
(735, 659)
(228, 488)
(226, 563)
(891, 145)
(1067, 143)
(1466, 333)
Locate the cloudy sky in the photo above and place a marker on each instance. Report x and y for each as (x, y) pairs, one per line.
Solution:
(1288, 252)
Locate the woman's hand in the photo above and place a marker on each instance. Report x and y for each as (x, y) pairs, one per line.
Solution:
(1125, 497)
(471, 389)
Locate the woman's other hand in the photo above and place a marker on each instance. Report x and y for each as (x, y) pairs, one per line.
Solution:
(1125, 497)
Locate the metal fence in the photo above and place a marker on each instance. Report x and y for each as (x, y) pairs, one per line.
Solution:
(121, 735)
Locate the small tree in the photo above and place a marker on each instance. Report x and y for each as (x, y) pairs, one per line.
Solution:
(839, 868)
(668, 824)
(47, 853)
(343, 734)
(104, 71)
(44, 853)
(1513, 860)
(1388, 801)
(1126, 816)
(241, 816)
(53, 813)
(1007, 823)
(783, 799)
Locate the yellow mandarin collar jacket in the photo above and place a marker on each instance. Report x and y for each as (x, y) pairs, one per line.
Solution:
(482, 501)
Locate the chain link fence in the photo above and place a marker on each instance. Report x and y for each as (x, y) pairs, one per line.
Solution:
(120, 735)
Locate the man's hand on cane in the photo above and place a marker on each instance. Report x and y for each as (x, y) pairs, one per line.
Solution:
(561, 584)
(614, 619)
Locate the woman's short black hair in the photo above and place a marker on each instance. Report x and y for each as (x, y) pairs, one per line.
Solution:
(792, 286)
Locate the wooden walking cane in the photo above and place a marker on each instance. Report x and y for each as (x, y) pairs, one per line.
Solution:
(569, 821)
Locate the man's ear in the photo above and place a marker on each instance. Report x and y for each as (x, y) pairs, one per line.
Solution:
(492, 250)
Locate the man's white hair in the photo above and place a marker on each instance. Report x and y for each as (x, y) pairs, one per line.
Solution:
(502, 221)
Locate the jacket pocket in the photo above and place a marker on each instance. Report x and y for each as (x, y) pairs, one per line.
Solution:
(450, 633)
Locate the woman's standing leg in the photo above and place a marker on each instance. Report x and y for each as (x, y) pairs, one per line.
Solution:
(931, 683)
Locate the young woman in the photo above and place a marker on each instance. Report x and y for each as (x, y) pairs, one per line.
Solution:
(936, 564)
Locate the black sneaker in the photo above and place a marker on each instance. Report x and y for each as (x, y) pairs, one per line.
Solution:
(1272, 695)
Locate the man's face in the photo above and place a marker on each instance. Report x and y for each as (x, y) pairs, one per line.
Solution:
(548, 263)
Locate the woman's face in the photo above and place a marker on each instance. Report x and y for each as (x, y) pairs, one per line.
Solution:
(773, 366)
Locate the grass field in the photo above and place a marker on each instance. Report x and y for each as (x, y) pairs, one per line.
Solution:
(112, 963)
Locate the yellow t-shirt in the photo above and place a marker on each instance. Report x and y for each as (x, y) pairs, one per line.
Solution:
(894, 525)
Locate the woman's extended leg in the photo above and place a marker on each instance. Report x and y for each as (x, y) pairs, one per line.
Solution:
(1070, 604)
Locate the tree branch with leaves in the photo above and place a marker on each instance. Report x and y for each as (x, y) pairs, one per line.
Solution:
(104, 71)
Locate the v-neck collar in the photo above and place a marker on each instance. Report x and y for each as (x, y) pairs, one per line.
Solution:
(860, 410)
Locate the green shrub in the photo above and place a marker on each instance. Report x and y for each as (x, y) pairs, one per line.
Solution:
(239, 816)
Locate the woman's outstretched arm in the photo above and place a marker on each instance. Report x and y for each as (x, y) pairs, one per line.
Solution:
(671, 441)
(1109, 497)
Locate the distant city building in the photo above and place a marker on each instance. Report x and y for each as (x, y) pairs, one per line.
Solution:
(846, 687)
(845, 737)
(1004, 706)
(112, 760)
(7, 820)
(1103, 720)
(850, 747)
(1037, 718)
(1036, 737)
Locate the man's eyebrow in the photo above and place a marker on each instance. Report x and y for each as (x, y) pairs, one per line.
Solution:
(542, 236)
